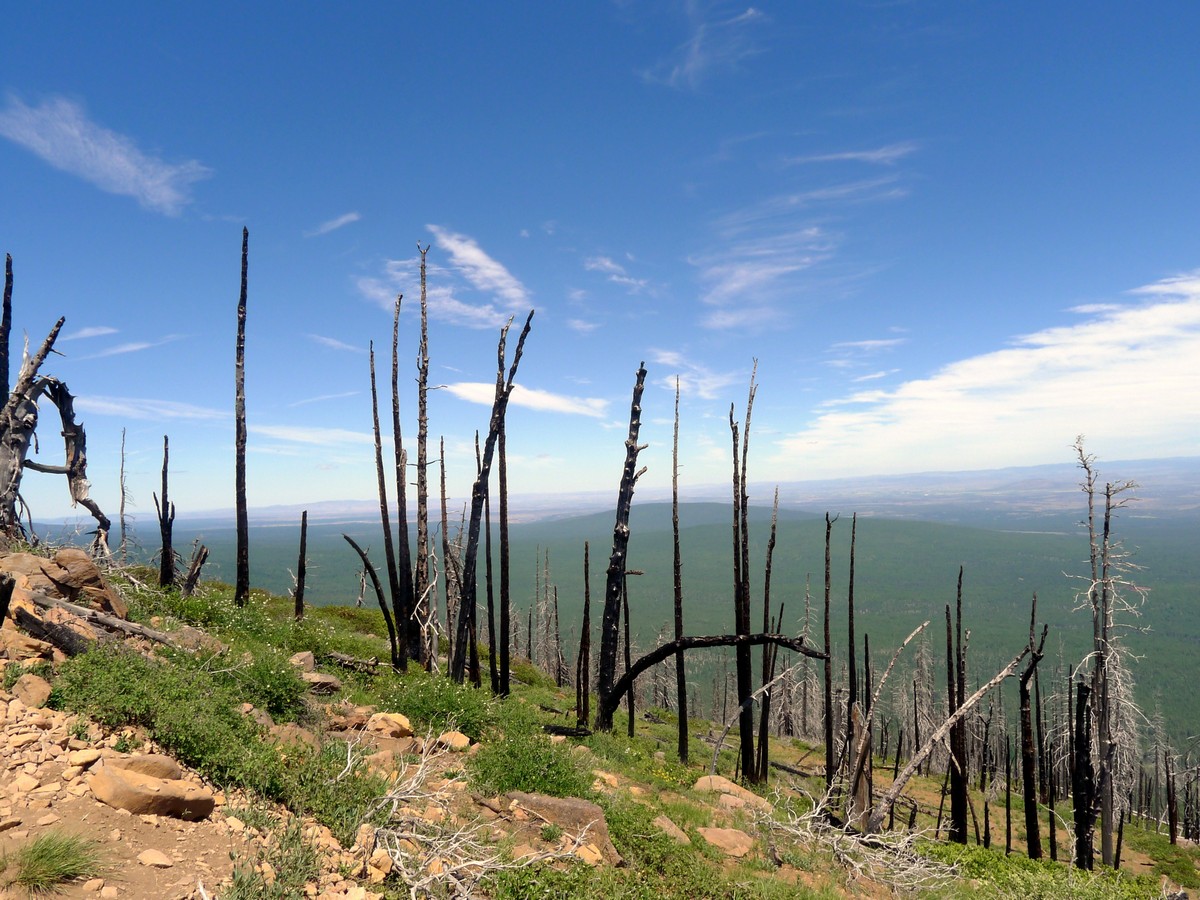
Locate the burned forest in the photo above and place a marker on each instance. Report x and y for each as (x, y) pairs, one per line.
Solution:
(1067, 739)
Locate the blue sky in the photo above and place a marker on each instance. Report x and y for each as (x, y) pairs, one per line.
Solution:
(953, 234)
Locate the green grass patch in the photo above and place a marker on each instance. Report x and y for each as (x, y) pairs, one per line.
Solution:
(528, 762)
(46, 863)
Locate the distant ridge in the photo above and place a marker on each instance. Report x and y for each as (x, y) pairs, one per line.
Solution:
(1167, 488)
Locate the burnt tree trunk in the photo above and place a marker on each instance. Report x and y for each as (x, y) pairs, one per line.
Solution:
(611, 620)
(583, 676)
(166, 521)
(389, 552)
(416, 633)
(741, 576)
(242, 588)
(6, 325)
(1083, 785)
(402, 604)
(195, 566)
(467, 602)
(369, 569)
(1029, 766)
(830, 764)
(301, 567)
(677, 570)
(505, 600)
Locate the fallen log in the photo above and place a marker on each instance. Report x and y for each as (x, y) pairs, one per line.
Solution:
(367, 666)
(103, 619)
(66, 639)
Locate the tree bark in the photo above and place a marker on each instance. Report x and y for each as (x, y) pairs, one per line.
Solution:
(242, 589)
(416, 634)
(611, 617)
(402, 605)
(389, 552)
(166, 520)
(677, 570)
(387, 617)
(504, 389)
(1029, 766)
(301, 567)
(6, 325)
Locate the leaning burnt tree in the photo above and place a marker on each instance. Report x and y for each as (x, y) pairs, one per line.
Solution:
(610, 622)
(18, 426)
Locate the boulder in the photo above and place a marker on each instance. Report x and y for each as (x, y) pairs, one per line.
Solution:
(320, 683)
(671, 830)
(454, 741)
(291, 733)
(17, 645)
(390, 725)
(142, 794)
(729, 841)
(82, 582)
(32, 690)
(574, 816)
(304, 661)
(718, 784)
(155, 765)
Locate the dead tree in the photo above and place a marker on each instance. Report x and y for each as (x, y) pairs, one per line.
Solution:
(195, 566)
(741, 588)
(504, 389)
(610, 701)
(1083, 781)
(301, 567)
(389, 552)
(402, 604)
(611, 620)
(583, 670)
(956, 690)
(393, 639)
(420, 612)
(677, 569)
(18, 426)
(883, 808)
(493, 671)
(242, 588)
(123, 546)
(166, 521)
(769, 652)
(830, 765)
(1029, 766)
(505, 600)
(1106, 601)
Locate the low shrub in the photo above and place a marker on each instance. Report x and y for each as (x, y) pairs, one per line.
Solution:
(528, 762)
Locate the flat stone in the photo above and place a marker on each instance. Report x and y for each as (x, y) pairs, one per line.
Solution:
(143, 794)
(454, 741)
(718, 784)
(32, 690)
(390, 724)
(320, 683)
(155, 859)
(671, 830)
(729, 841)
(304, 661)
(574, 816)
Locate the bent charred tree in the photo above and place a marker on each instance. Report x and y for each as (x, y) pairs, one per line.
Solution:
(166, 522)
(610, 701)
(18, 424)
(610, 622)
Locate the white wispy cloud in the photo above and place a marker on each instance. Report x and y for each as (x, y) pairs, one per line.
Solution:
(887, 155)
(714, 43)
(531, 398)
(90, 332)
(695, 379)
(333, 224)
(334, 343)
(312, 436)
(402, 276)
(582, 326)
(615, 271)
(132, 347)
(481, 271)
(323, 397)
(60, 132)
(147, 408)
(870, 345)
(1125, 377)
